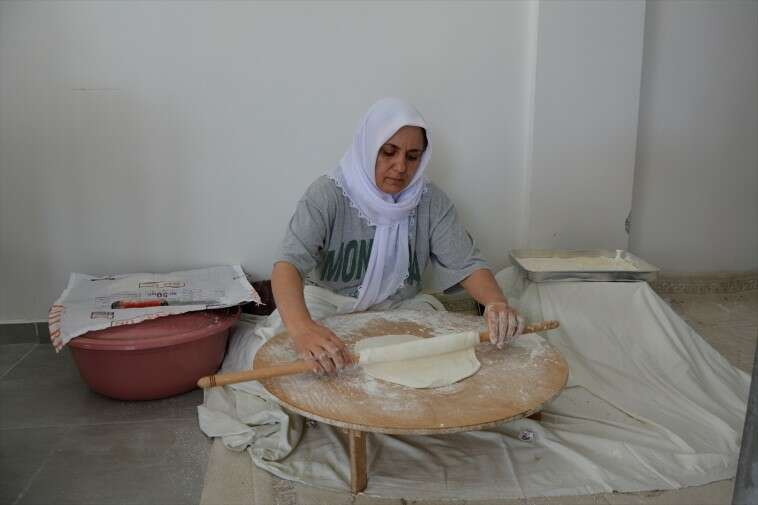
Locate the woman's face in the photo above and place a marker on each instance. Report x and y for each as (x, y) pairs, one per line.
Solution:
(398, 159)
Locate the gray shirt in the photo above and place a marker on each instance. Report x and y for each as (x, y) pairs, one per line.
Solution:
(330, 244)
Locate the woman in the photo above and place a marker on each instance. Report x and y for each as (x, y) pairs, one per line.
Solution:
(368, 229)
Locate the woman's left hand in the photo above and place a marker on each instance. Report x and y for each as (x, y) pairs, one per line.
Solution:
(503, 322)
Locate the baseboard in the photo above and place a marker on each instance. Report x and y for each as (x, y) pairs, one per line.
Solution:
(23, 333)
(670, 283)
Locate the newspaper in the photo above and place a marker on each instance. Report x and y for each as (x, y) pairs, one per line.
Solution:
(97, 302)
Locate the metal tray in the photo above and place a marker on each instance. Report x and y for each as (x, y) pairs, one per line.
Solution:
(644, 271)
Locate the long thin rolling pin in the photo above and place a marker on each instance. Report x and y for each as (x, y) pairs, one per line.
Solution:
(302, 366)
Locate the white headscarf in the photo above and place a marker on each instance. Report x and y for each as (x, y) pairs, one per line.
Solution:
(387, 267)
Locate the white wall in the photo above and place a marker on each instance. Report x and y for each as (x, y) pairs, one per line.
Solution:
(696, 185)
(160, 136)
(154, 136)
(584, 132)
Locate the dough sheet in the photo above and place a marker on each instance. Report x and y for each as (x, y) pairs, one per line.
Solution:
(420, 362)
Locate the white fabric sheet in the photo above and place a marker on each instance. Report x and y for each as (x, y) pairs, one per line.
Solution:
(649, 405)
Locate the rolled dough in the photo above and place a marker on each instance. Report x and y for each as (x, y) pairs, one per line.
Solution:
(434, 362)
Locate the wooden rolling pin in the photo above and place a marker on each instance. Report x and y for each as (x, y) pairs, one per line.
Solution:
(302, 366)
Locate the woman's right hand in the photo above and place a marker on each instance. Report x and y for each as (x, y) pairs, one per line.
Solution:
(318, 345)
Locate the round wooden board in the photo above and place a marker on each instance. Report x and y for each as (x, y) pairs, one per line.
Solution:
(512, 383)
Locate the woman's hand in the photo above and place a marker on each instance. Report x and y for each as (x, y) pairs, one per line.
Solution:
(319, 346)
(503, 322)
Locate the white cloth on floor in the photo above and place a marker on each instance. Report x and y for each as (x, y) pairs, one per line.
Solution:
(649, 405)
(244, 414)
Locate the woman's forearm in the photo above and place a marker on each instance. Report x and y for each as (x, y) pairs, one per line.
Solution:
(483, 287)
(287, 286)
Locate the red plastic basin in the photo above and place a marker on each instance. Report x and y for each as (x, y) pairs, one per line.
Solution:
(156, 358)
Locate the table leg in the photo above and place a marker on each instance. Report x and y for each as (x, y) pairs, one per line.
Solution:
(358, 476)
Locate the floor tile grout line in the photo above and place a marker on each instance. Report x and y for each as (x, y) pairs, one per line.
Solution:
(14, 365)
(105, 423)
(28, 485)
(41, 466)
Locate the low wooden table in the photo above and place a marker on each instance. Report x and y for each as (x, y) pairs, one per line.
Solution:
(512, 383)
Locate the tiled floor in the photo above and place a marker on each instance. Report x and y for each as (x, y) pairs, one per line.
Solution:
(728, 322)
(61, 443)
